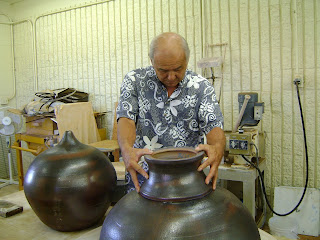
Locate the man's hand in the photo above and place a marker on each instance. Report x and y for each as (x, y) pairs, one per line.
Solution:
(214, 159)
(131, 157)
(215, 151)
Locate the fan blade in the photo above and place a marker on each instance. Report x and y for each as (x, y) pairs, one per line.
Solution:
(16, 118)
(1, 116)
(7, 130)
(17, 127)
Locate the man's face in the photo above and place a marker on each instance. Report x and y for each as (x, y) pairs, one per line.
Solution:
(170, 68)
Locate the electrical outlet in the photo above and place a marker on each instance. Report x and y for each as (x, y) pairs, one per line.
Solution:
(298, 79)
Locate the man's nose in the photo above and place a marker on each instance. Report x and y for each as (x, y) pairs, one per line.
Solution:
(171, 76)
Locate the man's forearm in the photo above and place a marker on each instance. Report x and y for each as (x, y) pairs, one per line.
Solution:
(217, 137)
(126, 133)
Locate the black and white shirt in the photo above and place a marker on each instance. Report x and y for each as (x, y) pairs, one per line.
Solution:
(180, 120)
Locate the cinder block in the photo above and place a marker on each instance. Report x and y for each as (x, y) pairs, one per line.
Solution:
(287, 148)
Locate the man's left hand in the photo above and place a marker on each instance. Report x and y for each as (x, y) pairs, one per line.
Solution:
(214, 158)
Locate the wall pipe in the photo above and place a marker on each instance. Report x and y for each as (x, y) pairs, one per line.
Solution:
(297, 41)
(35, 35)
(11, 23)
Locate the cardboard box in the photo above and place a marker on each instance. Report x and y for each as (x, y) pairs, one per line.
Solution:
(40, 125)
(44, 125)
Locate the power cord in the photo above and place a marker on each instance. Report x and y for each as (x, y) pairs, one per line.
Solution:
(264, 208)
(307, 167)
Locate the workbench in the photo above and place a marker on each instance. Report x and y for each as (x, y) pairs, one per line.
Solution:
(27, 225)
(247, 177)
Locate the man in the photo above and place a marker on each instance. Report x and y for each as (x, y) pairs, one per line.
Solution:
(166, 105)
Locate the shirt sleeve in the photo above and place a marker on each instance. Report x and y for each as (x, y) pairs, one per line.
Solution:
(128, 102)
(210, 115)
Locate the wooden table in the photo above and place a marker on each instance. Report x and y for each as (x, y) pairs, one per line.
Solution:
(36, 145)
(108, 146)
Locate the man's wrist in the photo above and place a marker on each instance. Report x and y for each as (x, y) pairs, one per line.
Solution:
(126, 148)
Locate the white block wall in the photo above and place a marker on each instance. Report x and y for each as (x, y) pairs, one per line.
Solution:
(261, 57)
(91, 49)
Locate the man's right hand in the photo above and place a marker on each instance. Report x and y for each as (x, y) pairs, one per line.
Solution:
(131, 157)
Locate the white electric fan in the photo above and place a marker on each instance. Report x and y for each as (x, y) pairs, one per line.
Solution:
(10, 123)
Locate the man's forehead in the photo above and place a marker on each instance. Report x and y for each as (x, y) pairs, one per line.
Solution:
(166, 68)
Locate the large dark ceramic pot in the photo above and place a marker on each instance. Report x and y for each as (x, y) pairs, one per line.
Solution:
(69, 186)
(175, 203)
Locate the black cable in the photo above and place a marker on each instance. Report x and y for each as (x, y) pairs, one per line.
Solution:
(264, 208)
(307, 167)
(64, 97)
(49, 98)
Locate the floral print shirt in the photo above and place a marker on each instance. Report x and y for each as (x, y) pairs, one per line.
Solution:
(180, 120)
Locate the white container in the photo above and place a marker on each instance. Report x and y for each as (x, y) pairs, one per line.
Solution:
(308, 214)
(283, 227)
(264, 235)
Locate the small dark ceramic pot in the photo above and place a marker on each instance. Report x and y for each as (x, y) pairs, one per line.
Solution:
(70, 186)
(175, 203)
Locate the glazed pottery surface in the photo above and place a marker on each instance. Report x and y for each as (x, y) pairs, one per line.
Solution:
(175, 203)
(69, 186)
(172, 176)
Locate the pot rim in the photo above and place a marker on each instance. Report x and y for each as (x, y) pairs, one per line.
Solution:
(153, 159)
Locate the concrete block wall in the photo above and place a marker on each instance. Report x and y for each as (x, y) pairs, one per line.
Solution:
(264, 38)
(91, 48)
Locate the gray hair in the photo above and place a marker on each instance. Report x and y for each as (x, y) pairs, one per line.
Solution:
(154, 43)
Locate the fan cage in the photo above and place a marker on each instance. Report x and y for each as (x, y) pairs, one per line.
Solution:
(4, 164)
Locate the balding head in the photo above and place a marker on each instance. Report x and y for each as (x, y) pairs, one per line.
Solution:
(169, 54)
(169, 43)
